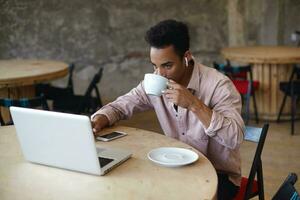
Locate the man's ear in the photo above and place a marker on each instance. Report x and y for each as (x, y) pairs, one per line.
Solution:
(188, 55)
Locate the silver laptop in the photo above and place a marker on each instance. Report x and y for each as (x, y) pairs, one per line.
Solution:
(63, 140)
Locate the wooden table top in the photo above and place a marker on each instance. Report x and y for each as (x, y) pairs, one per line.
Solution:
(137, 178)
(263, 54)
(29, 72)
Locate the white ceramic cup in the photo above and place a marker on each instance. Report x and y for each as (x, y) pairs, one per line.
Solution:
(154, 84)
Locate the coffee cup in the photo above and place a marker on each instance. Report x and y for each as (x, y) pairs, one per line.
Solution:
(154, 84)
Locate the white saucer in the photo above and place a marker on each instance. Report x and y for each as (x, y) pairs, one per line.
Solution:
(172, 156)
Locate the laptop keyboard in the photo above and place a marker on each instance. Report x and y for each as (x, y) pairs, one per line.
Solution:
(104, 161)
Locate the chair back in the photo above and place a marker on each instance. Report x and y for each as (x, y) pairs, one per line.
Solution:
(54, 93)
(33, 102)
(295, 73)
(296, 69)
(257, 135)
(235, 72)
(89, 101)
(79, 104)
(287, 189)
(70, 80)
(298, 36)
(292, 86)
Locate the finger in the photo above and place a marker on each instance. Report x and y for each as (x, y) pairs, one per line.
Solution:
(96, 128)
(93, 122)
(93, 127)
(173, 85)
(170, 81)
(170, 85)
(169, 91)
(172, 99)
(95, 131)
(170, 96)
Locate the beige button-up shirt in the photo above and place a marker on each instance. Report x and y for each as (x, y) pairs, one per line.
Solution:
(220, 142)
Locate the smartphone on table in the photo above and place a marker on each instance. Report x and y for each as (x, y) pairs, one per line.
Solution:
(111, 136)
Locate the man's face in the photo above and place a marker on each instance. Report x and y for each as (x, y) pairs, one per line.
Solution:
(167, 63)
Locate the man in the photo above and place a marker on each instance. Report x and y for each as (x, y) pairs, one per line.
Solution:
(201, 106)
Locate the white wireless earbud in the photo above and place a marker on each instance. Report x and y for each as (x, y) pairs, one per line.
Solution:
(186, 62)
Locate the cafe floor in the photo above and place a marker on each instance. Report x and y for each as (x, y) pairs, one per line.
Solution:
(281, 153)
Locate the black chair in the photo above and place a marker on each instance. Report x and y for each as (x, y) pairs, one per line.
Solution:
(245, 86)
(34, 102)
(52, 92)
(249, 186)
(292, 89)
(287, 190)
(81, 104)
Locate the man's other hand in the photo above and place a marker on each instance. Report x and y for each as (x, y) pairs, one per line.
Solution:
(98, 123)
(179, 95)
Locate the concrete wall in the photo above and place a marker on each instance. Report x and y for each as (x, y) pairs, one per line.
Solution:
(92, 32)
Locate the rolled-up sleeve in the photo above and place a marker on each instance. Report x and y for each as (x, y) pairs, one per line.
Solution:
(226, 126)
(125, 106)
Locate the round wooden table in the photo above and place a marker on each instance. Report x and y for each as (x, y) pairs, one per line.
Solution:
(137, 178)
(16, 73)
(17, 77)
(271, 65)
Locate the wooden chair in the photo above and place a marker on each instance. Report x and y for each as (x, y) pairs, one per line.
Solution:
(34, 102)
(287, 190)
(245, 86)
(251, 187)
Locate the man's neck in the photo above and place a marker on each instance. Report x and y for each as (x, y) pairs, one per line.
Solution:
(187, 76)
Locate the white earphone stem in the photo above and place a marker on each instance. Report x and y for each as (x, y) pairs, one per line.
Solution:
(186, 62)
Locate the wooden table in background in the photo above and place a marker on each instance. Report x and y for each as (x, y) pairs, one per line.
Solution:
(137, 178)
(271, 65)
(18, 77)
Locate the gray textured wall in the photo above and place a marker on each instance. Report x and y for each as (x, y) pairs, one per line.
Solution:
(91, 32)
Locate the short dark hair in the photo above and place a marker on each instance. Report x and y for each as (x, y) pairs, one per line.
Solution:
(169, 32)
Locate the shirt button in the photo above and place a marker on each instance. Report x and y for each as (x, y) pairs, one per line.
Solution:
(176, 115)
(182, 133)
